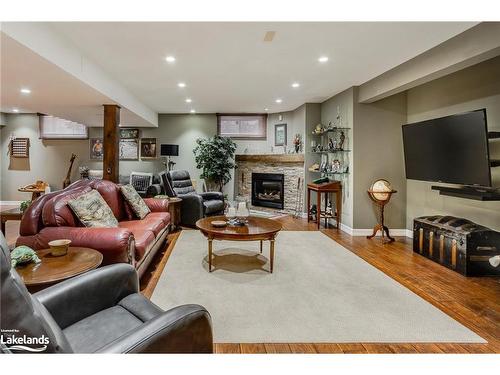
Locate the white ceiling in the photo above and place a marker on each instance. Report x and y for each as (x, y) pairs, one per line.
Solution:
(53, 91)
(229, 68)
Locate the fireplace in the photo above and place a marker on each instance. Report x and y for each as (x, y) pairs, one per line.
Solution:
(268, 190)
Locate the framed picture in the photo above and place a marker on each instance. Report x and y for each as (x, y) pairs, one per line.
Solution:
(280, 134)
(148, 148)
(96, 148)
(129, 149)
(129, 133)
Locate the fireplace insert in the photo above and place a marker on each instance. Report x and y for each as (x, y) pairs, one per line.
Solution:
(268, 190)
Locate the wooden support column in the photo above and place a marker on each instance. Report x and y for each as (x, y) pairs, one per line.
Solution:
(111, 139)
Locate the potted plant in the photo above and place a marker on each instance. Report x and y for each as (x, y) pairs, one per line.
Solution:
(215, 157)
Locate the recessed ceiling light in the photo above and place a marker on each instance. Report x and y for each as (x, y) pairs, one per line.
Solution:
(26, 91)
(181, 84)
(295, 84)
(170, 59)
(188, 100)
(278, 100)
(266, 109)
(192, 111)
(15, 110)
(323, 59)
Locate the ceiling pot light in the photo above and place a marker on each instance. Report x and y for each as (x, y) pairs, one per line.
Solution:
(278, 100)
(188, 100)
(295, 85)
(25, 91)
(192, 111)
(170, 59)
(323, 59)
(266, 109)
(181, 84)
(15, 110)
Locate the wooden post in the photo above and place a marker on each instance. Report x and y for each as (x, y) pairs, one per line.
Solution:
(111, 139)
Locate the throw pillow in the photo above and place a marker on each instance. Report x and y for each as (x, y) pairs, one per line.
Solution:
(93, 211)
(135, 201)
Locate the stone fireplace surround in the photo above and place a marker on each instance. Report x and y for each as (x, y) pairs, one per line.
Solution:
(290, 165)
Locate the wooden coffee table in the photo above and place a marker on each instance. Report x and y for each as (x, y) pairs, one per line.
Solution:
(257, 229)
(7, 215)
(55, 269)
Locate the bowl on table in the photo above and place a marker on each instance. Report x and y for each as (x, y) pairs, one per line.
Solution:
(59, 247)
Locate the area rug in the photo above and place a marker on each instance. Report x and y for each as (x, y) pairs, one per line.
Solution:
(319, 292)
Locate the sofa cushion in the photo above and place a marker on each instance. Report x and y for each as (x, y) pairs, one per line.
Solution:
(93, 211)
(153, 224)
(213, 206)
(135, 201)
(144, 240)
(113, 197)
(57, 213)
(165, 216)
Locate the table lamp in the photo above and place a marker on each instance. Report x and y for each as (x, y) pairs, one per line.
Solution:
(168, 151)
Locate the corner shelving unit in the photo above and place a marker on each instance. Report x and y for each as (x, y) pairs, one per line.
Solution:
(329, 155)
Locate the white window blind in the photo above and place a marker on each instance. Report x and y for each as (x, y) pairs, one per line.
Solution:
(57, 128)
(242, 126)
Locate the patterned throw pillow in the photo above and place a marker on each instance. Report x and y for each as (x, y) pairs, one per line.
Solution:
(135, 201)
(93, 211)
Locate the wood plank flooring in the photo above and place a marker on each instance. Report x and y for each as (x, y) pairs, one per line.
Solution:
(474, 302)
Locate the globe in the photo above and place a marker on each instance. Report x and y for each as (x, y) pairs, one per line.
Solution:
(380, 190)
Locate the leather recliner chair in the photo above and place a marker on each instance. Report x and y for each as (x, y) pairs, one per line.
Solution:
(100, 311)
(194, 205)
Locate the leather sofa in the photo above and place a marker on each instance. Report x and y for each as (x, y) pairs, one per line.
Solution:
(134, 241)
(100, 311)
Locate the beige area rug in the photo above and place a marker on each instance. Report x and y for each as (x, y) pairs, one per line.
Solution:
(319, 292)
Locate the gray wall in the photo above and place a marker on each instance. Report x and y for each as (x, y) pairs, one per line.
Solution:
(472, 88)
(49, 160)
(378, 153)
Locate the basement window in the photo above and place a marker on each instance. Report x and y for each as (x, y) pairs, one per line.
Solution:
(242, 126)
(57, 128)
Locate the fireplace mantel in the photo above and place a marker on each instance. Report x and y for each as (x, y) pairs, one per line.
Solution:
(271, 158)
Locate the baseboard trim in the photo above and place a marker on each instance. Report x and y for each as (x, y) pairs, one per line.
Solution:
(10, 203)
(367, 232)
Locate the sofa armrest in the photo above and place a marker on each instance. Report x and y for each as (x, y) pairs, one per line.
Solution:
(75, 299)
(192, 208)
(183, 329)
(157, 204)
(115, 244)
(212, 195)
(154, 190)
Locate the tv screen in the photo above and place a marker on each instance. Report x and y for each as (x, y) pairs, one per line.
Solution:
(451, 149)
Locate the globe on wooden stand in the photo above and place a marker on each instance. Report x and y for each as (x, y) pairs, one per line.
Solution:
(380, 193)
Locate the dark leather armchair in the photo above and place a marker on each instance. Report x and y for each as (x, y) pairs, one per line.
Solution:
(99, 311)
(194, 205)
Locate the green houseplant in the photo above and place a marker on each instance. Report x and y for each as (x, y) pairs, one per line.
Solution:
(215, 157)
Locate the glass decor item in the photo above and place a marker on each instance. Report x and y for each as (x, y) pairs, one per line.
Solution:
(243, 212)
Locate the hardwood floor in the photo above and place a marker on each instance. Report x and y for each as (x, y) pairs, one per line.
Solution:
(474, 302)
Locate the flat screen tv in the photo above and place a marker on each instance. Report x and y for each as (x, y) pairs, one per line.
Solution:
(451, 149)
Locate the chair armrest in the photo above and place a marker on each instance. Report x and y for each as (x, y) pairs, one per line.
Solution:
(154, 190)
(157, 204)
(75, 299)
(115, 244)
(192, 208)
(183, 329)
(212, 195)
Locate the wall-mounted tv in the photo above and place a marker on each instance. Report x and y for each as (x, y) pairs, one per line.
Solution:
(451, 149)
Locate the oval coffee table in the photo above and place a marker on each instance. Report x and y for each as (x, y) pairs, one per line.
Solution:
(55, 269)
(257, 229)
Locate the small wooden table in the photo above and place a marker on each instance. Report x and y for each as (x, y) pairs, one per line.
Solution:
(325, 188)
(7, 215)
(53, 269)
(257, 229)
(174, 208)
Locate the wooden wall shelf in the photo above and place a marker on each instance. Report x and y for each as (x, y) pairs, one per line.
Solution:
(271, 158)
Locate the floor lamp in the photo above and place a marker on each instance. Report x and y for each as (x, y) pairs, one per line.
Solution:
(168, 151)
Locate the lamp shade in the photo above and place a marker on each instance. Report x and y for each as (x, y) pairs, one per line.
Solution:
(169, 150)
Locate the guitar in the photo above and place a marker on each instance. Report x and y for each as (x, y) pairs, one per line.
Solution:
(67, 180)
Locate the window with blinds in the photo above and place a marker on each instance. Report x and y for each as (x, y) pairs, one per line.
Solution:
(242, 126)
(57, 128)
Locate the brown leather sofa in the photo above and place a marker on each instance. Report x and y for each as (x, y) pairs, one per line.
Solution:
(135, 241)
